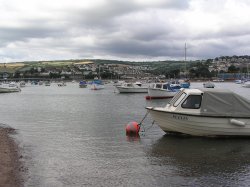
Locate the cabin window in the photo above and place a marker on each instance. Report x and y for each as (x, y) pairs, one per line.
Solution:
(158, 86)
(166, 86)
(177, 102)
(192, 102)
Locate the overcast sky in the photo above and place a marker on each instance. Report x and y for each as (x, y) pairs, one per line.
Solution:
(123, 29)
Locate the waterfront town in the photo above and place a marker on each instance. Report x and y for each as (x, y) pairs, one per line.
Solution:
(224, 67)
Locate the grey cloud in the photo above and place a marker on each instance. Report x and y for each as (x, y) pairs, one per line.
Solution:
(13, 34)
(124, 29)
(105, 13)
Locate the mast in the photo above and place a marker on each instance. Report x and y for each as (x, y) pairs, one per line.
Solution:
(99, 77)
(185, 60)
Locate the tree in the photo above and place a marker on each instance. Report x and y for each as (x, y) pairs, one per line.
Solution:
(17, 74)
(173, 73)
(233, 69)
(54, 75)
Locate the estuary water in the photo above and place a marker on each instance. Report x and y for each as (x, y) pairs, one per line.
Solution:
(72, 136)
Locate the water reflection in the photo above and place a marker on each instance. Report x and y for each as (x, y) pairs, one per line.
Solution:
(217, 161)
(133, 137)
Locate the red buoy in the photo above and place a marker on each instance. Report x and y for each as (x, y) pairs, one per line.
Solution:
(132, 128)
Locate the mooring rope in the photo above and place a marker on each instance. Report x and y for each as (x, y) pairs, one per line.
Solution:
(143, 118)
(143, 126)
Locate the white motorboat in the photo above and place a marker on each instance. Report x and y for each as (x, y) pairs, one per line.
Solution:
(60, 84)
(40, 83)
(47, 83)
(238, 81)
(246, 84)
(132, 88)
(162, 90)
(205, 112)
(12, 85)
(208, 85)
(8, 88)
(22, 84)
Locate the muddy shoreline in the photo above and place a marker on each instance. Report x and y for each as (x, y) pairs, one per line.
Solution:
(11, 167)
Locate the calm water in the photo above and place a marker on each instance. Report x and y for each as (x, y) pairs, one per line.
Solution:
(76, 137)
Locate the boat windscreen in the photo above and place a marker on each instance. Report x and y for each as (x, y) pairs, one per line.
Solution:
(180, 99)
(192, 102)
(175, 97)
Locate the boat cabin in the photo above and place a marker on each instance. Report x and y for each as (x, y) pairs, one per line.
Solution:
(165, 86)
(209, 102)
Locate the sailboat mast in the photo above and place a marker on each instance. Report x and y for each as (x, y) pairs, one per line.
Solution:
(99, 72)
(185, 60)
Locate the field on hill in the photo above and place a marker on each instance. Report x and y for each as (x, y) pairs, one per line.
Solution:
(10, 67)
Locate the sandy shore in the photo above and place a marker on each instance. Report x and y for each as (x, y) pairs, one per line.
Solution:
(10, 165)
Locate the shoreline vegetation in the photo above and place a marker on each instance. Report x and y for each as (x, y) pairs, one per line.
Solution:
(11, 167)
(234, 68)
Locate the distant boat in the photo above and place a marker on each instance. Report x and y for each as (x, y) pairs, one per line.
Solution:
(97, 84)
(47, 83)
(162, 90)
(83, 84)
(34, 82)
(218, 80)
(13, 85)
(208, 85)
(22, 84)
(246, 84)
(239, 81)
(132, 88)
(8, 88)
(60, 84)
(184, 83)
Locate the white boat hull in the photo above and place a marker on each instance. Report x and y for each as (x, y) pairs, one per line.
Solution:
(246, 84)
(83, 86)
(201, 125)
(132, 90)
(208, 85)
(9, 90)
(155, 93)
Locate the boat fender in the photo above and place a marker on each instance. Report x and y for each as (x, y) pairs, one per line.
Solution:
(237, 122)
(132, 128)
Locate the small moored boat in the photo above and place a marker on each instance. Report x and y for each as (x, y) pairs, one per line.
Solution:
(132, 88)
(97, 84)
(60, 84)
(83, 84)
(8, 88)
(205, 112)
(22, 84)
(47, 83)
(246, 84)
(208, 85)
(162, 90)
(238, 81)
